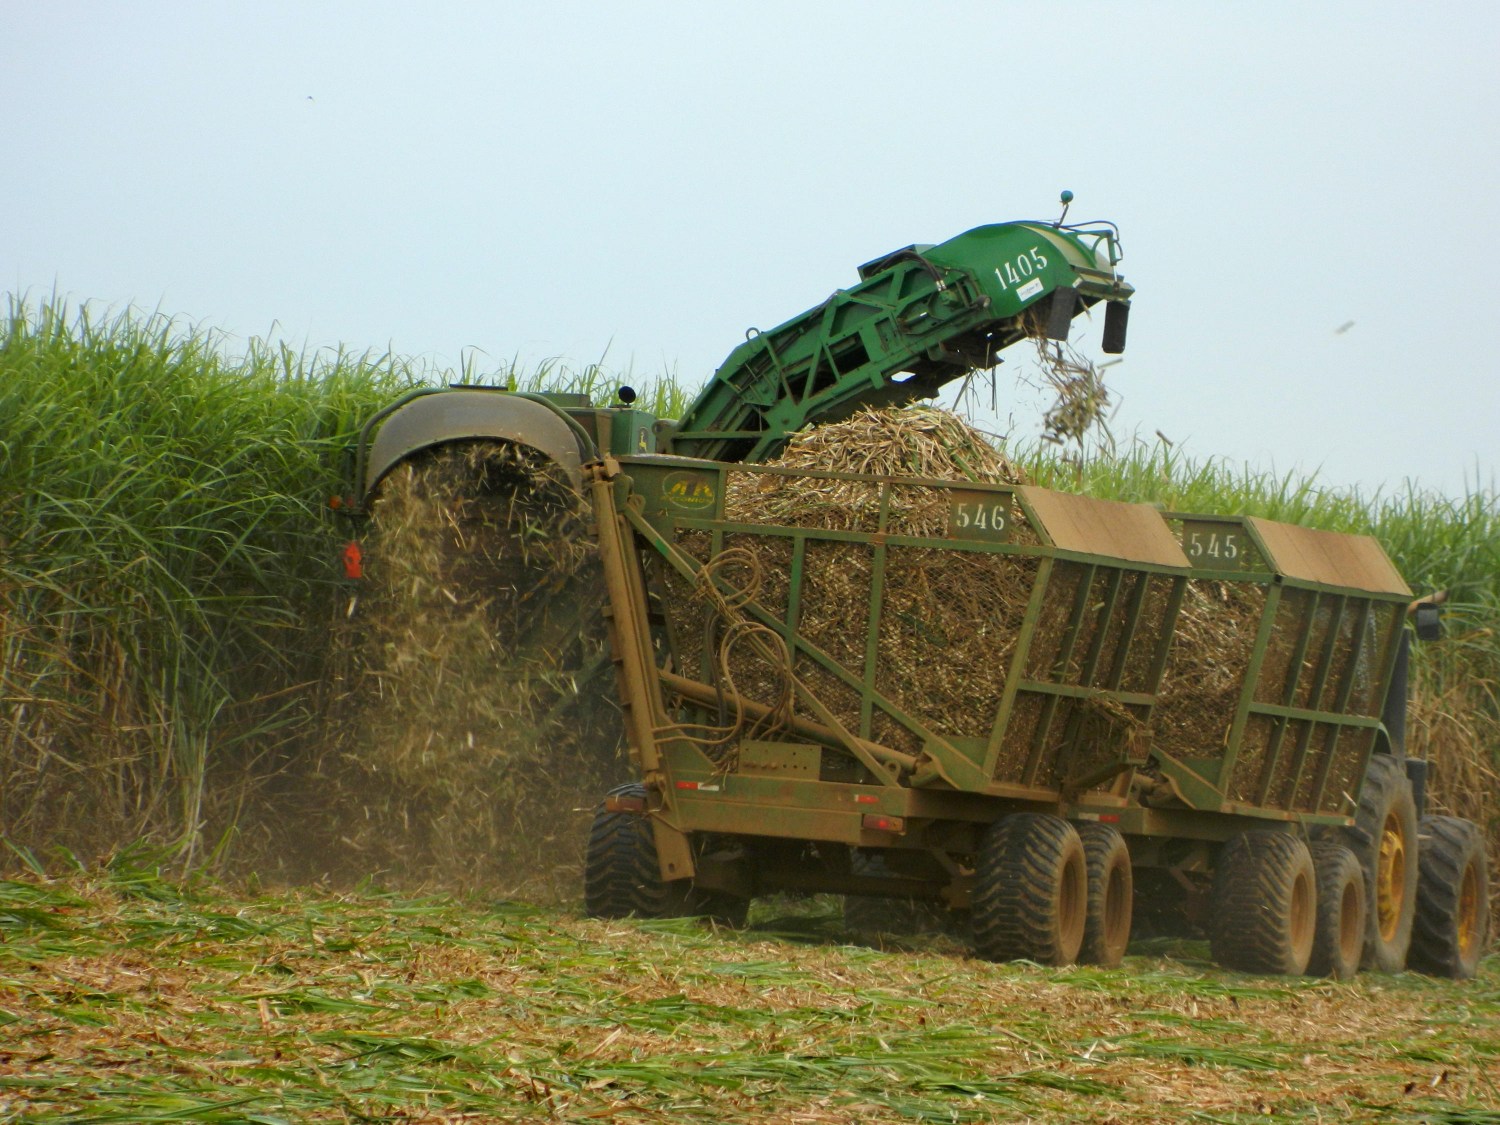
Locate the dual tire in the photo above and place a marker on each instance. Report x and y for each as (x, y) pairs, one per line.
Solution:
(1282, 907)
(1264, 904)
(1427, 884)
(1400, 897)
(1051, 893)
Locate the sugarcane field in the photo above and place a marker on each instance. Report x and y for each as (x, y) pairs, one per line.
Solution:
(776, 564)
(333, 809)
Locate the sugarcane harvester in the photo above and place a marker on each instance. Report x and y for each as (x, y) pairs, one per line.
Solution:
(1015, 752)
(919, 318)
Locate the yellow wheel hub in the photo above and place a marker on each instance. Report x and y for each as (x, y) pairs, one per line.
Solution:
(1390, 877)
(1468, 912)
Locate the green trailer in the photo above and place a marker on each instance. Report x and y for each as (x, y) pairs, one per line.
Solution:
(1012, 704)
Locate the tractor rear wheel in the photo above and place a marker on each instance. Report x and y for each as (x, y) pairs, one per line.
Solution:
(622, 875)
(1384, 840)
(1339, 936)
(1030, 890)
(1453, 899)
(1111, 895)
(1264, 904)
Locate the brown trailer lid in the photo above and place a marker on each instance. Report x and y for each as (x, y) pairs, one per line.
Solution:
(1356, 562)
(1134, 532)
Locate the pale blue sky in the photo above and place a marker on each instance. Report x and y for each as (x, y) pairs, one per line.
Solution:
(650, 179)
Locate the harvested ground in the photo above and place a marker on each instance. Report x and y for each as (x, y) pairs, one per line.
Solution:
(125, 998)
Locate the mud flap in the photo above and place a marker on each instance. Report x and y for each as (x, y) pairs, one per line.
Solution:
(673, 851)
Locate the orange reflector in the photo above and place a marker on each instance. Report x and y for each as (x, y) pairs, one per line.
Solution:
(617, 803)
(354, 561)
(1109, 818)
(879, 822)
(865, 799)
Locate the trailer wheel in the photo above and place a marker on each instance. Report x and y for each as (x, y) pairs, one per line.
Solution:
(622, 876)
(1339, 935)
(1265, 900)
(1030, 890)
(1384, 840)
(1453, 899)
(1111, 895)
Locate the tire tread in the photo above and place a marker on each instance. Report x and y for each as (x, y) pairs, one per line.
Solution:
(1335, 867)
(1103, 849)
(1447, 846)
(1252, 900)
(1022, 861)
(621, 876)
(1385, 788)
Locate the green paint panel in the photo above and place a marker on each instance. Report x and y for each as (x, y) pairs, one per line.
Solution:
(1019, 263)
(919, 318)
(1073, 675)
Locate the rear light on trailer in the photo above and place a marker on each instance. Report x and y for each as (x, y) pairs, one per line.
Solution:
(354, 561)
(879, 822)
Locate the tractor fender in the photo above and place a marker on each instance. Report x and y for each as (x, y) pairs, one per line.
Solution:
(424, 421)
